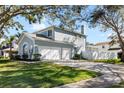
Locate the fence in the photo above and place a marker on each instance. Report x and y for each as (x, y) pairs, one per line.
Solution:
(95, 54)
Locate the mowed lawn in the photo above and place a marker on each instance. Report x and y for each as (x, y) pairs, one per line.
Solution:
(18, 75)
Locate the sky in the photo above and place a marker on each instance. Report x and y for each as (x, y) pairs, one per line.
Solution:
(94, 35)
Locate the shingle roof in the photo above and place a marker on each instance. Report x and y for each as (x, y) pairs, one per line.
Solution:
(45, 39)
(102, 43)
(74, 32)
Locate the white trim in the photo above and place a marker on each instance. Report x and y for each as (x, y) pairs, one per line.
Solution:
(21, 38)
(25, 35)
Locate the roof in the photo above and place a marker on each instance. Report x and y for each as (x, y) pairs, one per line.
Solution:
(36, 37)
(102, 43)
(45, 39)
(74, 32)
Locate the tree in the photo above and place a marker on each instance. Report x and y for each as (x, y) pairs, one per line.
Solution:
(110, 18)
(65, 16)
(31, 13)
(9, 41)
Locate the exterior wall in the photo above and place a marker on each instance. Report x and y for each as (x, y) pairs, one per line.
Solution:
(6, 54)
(29, 42)
(93, 55)
(100, 47)
(78, 41)
(53, 46)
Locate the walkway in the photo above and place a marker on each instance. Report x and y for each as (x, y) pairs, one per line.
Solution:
(111, 74)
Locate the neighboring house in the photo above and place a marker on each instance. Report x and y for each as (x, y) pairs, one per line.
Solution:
(14, 50)
(4, 50)
(90, 46)
(106, 46)
(102, 46)
(102, 50)
(52, 43)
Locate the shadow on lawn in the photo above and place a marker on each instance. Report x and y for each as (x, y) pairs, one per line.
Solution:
(42, 75)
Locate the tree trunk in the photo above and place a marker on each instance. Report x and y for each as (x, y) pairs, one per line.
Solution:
(122, 56)
(10, 52)
(121, 45)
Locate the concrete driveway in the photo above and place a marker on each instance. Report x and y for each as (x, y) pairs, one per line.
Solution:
(112, 74)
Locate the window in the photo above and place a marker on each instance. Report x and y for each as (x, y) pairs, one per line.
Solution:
(103, 46)
(25, 49)
(36, 50)
(45, 33)
(49, 33)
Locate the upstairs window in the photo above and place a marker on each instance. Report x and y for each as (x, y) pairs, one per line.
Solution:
(103, 46)
(25, 49)
(49, 33)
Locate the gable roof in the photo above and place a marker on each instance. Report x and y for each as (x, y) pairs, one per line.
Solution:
(65, 30)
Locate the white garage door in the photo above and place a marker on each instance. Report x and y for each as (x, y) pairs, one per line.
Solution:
(50, 53)
(65, 53)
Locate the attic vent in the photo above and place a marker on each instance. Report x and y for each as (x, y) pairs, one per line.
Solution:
(82, 29)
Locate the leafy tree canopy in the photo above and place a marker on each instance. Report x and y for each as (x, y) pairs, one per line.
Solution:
(66, 16)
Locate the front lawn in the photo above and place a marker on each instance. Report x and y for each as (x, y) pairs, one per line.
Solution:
(14, 74)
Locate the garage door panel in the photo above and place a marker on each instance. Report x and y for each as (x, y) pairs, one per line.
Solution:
(65, 53)
(50, 53)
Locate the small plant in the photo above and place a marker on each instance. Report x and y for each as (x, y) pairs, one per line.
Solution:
(111, 61)
(17, 57)
(37, 57)
(1, 57)
(25, 56)
(77, 56)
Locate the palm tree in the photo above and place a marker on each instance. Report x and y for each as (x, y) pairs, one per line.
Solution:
(2, 44)
(9, 41)
(18, 35)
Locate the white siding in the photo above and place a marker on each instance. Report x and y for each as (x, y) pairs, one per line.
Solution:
(78, 41)
(100, 47)
(66, 53)
(24, 40)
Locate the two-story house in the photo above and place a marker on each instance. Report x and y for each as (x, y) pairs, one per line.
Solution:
(52, 43)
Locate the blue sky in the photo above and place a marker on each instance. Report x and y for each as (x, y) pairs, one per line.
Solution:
(94, 35)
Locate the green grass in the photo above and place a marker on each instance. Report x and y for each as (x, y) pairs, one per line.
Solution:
(120, 85)
(110, 61)
(14, 74)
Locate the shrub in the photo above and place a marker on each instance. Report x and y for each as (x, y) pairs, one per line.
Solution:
(17, 57)
(77, 56)
(112, 61)
(4, 59)
(37, 57)
(25, 56)
(1, 57)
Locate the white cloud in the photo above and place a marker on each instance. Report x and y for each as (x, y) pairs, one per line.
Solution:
(38, 26)
(109, 34)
